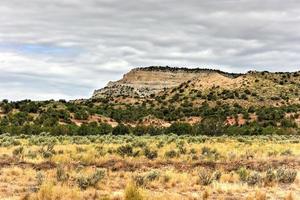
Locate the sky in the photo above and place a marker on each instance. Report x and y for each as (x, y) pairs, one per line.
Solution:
(65, 49)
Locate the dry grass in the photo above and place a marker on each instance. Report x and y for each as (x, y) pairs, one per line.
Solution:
(162, 178)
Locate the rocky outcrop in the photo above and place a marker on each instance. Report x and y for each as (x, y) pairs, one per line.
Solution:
(142, 82)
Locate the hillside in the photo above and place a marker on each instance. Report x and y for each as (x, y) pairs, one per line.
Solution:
(166, 83)
(143, 82)
(158, 100)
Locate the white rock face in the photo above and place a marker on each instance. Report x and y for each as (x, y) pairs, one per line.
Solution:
(143, 82)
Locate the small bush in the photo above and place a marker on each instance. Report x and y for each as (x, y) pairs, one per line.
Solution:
(153, 175)
(48, 150)
(254, 179)
(90, 181)
(127, 150)
(61, 175)
(171, 154)
(287, 152)
(270, 177)
(32, 154)
(150, 154)
(243, 174)
(139, 180)
(217, 175)
(39, 178)
(205, 177)
(210, 153)
(286, 175)
(18, 152)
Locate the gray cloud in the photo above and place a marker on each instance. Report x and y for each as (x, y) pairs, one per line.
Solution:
(68, 48)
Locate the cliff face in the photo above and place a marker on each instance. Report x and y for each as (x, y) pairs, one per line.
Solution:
(259, 86)
(143, 82)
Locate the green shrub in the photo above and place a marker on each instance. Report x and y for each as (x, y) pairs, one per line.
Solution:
(127, 150)
(217, 175)
(243, 174)
(61, 175)
(210, 153)
(139, 180)
(18, 152)
(90, 181)
(254, 179)
(205, 177)
(286, 175)
(287, 152)
(39, 178)
(153, 175)
(180, 128)
(270, 176)
(48, 151)
(171, 154)
(150, 154)
(121, 129)
(32, 154)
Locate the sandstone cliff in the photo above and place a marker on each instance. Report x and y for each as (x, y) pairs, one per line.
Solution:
(143, 82)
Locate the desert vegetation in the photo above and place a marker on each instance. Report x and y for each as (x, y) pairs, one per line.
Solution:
(93, 118)
(215, 136)
(149, 167)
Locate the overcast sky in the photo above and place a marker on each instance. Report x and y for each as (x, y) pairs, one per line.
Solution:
(64, 49)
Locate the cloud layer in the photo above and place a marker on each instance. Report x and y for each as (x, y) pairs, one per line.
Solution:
(68, 48)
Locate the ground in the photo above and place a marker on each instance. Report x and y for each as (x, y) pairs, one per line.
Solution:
(156, 167)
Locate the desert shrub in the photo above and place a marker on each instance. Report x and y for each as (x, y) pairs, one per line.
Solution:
(61, 175)
(47, 150)
(243, 174)
(139, 143)
(126, 150)
(180, 128)
(288, 123)
(286, 175)
(153, 175)
(80, 149)
(139, 180)
(150, 154)
(160, 144)
(18, 152)
(216, 175)
(39, 178)
(31, 154)
(211, 126)
(81, 140)
(81, 114)
(181, 147)
(254, 179)
(171, 154)
(100, 150)
(193, 151)
(287, 152)
(121, 129)
(140, 130)
(92, 180)
(132, 192)
(209, 152)
(270, 177)
(104, 129)
(205, 177)
(9, 141)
